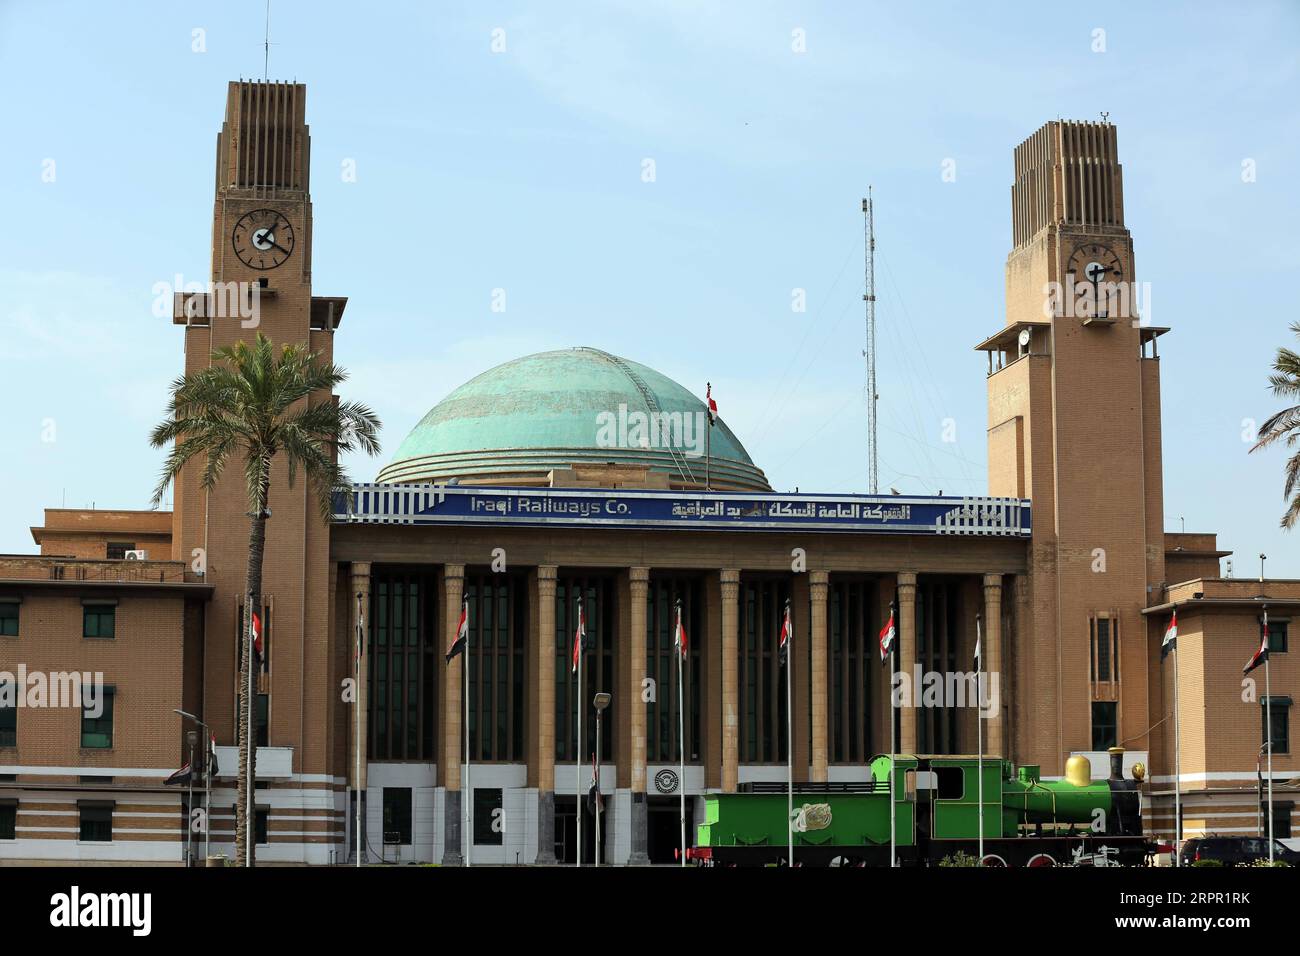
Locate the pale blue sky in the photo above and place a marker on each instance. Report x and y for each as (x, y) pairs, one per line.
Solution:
(521, 170)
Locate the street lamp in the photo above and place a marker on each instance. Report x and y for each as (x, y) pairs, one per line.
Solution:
(600, 702)
(207, 782)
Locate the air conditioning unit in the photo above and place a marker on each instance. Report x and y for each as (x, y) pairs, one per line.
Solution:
(137, 555)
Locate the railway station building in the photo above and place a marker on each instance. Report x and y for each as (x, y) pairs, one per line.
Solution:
(574, 475)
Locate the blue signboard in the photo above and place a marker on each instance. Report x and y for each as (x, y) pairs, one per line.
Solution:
(676, 510)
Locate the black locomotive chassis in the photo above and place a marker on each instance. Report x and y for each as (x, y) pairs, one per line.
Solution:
(1129, 851)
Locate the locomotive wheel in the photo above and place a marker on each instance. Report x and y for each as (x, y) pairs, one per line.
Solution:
(992, 859)
(1041, 859)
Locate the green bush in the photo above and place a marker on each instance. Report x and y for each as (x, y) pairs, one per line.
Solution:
(1208, 863)
(960, 858)
(1264, 862)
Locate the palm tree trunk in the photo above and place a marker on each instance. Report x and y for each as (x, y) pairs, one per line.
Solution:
(246, 825)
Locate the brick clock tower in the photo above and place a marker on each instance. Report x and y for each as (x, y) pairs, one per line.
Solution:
(261, 282)
(1074, 424)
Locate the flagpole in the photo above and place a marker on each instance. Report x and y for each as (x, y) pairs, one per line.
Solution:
(979, 730)
(681, 732)
(789, 732)
(1268, 734)
(189, 808)
(708, 451)
(250, 819)
(467, 794)
(207, 799)
(1178, 773)
(356, 702)
(893, 809)
(577, 751)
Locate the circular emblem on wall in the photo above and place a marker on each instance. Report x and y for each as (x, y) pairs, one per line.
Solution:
(666, 781)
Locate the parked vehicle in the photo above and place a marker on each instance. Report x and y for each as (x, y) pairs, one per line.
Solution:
(1235, 850)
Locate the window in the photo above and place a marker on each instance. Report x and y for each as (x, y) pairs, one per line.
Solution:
(9, 618)
(1276, 636)
(1103, 647)
(9, 714)
(262, 825)
(98, 620)
(262, 720)
(96, 822)
(397, 815)
(950, 783)
(498, 628)
(117, 549)
(487, 816)
(853, 623)
(1279, 707)
(405, 658)
(662, 736)
(760, 674)
(8, 819)
(97, 720)
(1105, 726)
(1281, 818)
(597, 665)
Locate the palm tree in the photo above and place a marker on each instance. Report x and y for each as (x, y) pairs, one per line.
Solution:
(256, 402)
(1285, 383)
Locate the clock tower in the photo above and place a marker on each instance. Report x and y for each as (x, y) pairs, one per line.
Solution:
(261, 283)
(1074, 424)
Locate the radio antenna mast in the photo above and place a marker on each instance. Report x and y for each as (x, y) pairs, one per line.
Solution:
(266, 57)
(872, 396)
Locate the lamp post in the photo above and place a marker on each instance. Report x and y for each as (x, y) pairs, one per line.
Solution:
(600, 702)
(191, 737)
(207, 783)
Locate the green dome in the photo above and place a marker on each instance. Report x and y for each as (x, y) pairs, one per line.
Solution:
(516, 423)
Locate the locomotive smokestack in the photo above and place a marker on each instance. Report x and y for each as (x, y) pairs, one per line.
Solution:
(1116, 763)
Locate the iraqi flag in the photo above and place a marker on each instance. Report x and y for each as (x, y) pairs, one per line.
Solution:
(679, 640)
(784, 648)
(213, 767)
(887, 635)
(595, 802)
(462, 632)
(712, 405)
(1170, 642)
(180, 776)
(258, 648)
(979, 639)
(1261, 655)
(579, 635)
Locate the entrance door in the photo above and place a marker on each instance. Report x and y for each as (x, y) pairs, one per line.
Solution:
(664, 830)
(566, 832)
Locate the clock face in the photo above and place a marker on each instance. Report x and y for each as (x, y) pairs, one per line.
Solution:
(263, 239)
(1094, 263)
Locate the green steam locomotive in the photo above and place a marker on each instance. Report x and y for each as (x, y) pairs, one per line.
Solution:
(1027, 821)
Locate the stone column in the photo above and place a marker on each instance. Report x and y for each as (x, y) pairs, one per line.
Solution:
(907, 655)
(453, 590)
(545, 644)
(992, 651)
(818, 582)
(639, 579)
(730, 579)
(360, 587)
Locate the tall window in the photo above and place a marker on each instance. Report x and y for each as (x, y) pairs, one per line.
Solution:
(262, 720)
(96, 822)
(1103, 648)
(498, 628)
(262, 825)
(938, 636)
(9, 714)
(1105, 724)
(662, 736)
(761, 677)
(97, 721)
(98, 620)
(852, 620)
(9, 618)
(397, 815)
(240, 635)
(8, 819)
(404, 637)
(1280, 710)
(597, 664)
